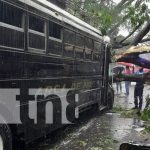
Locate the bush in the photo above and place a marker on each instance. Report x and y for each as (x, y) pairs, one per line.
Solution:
(146, 114)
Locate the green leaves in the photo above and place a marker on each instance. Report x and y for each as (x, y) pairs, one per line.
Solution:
(105, 15)
(137, 15)
(106, 21)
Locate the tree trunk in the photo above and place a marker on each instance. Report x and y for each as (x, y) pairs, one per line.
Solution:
(141, 34)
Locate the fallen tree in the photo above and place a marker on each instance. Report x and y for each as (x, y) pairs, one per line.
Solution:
(132, 55)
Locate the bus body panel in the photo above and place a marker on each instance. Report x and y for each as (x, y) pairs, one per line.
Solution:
(54, 55)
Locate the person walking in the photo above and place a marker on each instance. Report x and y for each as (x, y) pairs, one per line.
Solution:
(127, 83)
(118, 86)
(138, 92)
(118, 83)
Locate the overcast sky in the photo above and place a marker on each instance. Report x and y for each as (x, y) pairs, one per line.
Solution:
(116, 1)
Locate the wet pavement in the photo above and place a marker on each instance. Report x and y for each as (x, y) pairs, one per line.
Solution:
(128, 102)
(98, 131)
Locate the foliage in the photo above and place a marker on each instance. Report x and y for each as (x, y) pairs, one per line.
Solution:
(107, 15)
(146, 115)
(147, 102)
(104, 14)
(147, 129)
(81, 143)
(137, 15)
(117, 109)
(146, 112)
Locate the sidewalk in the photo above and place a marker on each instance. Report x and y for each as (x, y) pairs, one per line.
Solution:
(127, 102)
(99, 132)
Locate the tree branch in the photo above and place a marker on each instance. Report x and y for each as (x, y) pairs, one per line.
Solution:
(138, 38)
(130, 33)
(145, 40)
(122, 4)
(115, 26)
(141, 34)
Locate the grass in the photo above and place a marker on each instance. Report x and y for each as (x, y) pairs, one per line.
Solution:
(147, 129)
(145, 115)
(127, 113)
(117, 109)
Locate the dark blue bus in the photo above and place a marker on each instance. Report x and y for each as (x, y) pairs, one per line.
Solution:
(44, 49)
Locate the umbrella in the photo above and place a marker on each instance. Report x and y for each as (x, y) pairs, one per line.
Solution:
(117, 69)
(136, 68)
(126, 64)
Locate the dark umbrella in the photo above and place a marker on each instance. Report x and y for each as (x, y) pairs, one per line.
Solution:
(117, 69)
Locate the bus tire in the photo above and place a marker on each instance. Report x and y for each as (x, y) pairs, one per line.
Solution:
(5, 136)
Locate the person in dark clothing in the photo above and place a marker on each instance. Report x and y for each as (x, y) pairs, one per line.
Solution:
(138, 92)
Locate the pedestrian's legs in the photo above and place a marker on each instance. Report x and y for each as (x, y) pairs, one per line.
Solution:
(117, 86)
(135, 97)
(136, 102)
(140, 101)
(120, 87)
(140, 97)
(127, 87)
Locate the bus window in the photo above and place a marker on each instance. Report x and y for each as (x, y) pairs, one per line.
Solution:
(55, 38)
(69, 36)
(10, 15)
(88, 54)
(36, 33)
(69, 42)
(55, 30)
(88, 43)
(79, 49)
(97, 46)
(96, 56)
(79, 40)
(36, 24)
(11, 26)
(88, 48)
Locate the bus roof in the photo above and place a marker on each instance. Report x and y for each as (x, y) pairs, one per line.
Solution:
(56, 12)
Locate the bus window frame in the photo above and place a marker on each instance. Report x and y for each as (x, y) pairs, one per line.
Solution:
(13, 27)
(61, 33)
(53, 38)
(88, 49)
(31, 49)
(76, 46)
(99, 51)
(70, 44)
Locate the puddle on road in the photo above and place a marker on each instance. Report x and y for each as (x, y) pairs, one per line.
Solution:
(105, 132)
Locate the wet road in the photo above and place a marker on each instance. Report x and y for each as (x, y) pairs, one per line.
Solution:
(97, 132)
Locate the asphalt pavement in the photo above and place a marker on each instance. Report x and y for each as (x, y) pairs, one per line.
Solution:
(99, 131)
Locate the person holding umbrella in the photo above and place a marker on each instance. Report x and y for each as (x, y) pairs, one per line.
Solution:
(118, 84)
(117, 70)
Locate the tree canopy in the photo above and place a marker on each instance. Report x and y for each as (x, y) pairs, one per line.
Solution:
(110, 17)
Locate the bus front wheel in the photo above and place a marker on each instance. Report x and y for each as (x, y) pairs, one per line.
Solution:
(5, 136)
